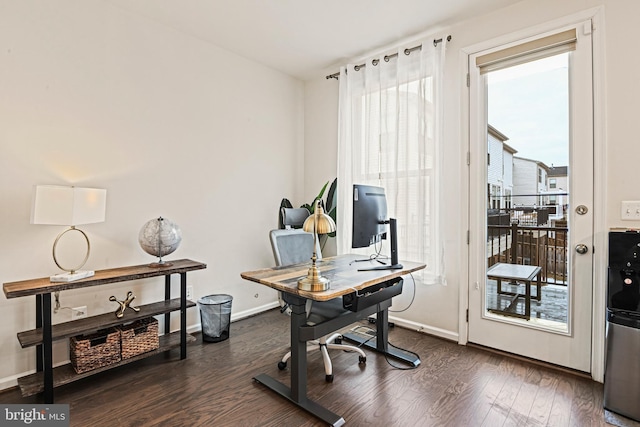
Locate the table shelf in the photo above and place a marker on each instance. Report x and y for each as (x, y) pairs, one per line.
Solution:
(101, 321)
(65, 374)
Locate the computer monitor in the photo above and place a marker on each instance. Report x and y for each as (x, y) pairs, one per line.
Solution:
(370, 222)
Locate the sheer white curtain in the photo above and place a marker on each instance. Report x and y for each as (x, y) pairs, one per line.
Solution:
(390, 135)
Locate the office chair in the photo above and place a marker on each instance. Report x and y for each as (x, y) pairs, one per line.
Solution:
(293, 246)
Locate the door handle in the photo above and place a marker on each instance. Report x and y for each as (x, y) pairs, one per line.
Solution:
(582, 249)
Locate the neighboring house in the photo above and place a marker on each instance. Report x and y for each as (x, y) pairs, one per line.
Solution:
(558, 178)
(557, 195)
(500, 170)
(529, 182)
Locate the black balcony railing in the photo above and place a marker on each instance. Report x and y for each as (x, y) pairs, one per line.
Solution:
(530, 245)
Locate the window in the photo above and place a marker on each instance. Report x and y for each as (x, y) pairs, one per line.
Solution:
(390, 135)
(507, 199)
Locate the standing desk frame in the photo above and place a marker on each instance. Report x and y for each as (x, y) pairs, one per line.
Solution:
(345, 279)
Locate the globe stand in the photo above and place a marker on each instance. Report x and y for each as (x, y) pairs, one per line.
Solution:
(160, 263)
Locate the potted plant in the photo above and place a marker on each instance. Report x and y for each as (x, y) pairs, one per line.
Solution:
(329, 205)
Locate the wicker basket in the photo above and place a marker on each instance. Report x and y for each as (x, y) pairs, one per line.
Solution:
(95, 350)
(139, 337)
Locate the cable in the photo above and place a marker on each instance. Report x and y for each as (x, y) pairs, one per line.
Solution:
(402, 368)
(413, 297)
(386, 356)
(57, 307)
(372, 257)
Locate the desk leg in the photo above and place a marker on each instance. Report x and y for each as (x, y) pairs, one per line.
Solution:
(298, 353)
(47, 344)
(298, 392)
(382, 341)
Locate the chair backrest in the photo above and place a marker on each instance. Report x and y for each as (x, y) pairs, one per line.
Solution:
(292, 246)
(293, 217)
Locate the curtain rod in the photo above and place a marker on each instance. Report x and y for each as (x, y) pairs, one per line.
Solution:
(387, 58)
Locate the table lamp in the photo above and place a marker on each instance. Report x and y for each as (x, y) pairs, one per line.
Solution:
(317, 223)
(70, 206)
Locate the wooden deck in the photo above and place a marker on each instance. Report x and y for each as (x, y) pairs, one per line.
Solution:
(553, 305)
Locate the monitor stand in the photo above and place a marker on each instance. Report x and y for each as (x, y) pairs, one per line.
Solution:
(394, 250)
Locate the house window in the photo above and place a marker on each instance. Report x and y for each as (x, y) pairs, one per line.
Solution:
(552, 183)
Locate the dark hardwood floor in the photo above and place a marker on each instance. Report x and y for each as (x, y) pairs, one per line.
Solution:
(454, 386)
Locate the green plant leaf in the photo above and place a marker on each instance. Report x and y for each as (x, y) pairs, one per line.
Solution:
(324, 187)
(332, 196)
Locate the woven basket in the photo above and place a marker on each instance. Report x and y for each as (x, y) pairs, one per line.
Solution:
(95, 350)
(139, 337)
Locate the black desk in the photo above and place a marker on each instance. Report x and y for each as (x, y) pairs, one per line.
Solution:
(344, 280)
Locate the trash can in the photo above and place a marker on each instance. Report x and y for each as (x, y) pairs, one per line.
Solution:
(215, 317)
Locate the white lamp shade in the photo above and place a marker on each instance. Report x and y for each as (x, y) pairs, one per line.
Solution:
(60, 205)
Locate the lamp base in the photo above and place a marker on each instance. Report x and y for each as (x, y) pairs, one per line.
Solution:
(70, 277)
(313, 283)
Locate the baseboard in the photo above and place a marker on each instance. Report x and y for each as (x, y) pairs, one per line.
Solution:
(235, 316)
(426, 329)
(253, 311)
(10, 382)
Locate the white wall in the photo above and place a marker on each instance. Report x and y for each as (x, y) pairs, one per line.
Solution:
(94, 96)
(436, 308)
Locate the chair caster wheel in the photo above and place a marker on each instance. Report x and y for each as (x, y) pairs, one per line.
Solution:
(282, 365)
(328, 378)
(362, 359)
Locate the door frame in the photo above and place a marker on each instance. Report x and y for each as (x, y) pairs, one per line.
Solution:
(599, 175)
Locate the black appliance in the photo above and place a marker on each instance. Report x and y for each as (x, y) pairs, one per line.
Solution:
(622, 367)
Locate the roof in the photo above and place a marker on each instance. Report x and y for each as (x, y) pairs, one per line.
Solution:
(558, 170)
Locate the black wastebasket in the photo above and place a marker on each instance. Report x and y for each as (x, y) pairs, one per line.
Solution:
(215, 317)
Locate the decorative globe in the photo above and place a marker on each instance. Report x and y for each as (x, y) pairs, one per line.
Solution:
(160, 237)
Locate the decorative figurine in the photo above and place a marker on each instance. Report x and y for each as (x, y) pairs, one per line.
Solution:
(124, 304)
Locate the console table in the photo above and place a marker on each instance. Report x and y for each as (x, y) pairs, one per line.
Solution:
(47, 377)
(345, 280)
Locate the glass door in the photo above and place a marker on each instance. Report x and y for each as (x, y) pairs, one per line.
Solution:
(530, 262)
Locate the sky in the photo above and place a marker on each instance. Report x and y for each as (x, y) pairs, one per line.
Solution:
(529, 104)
